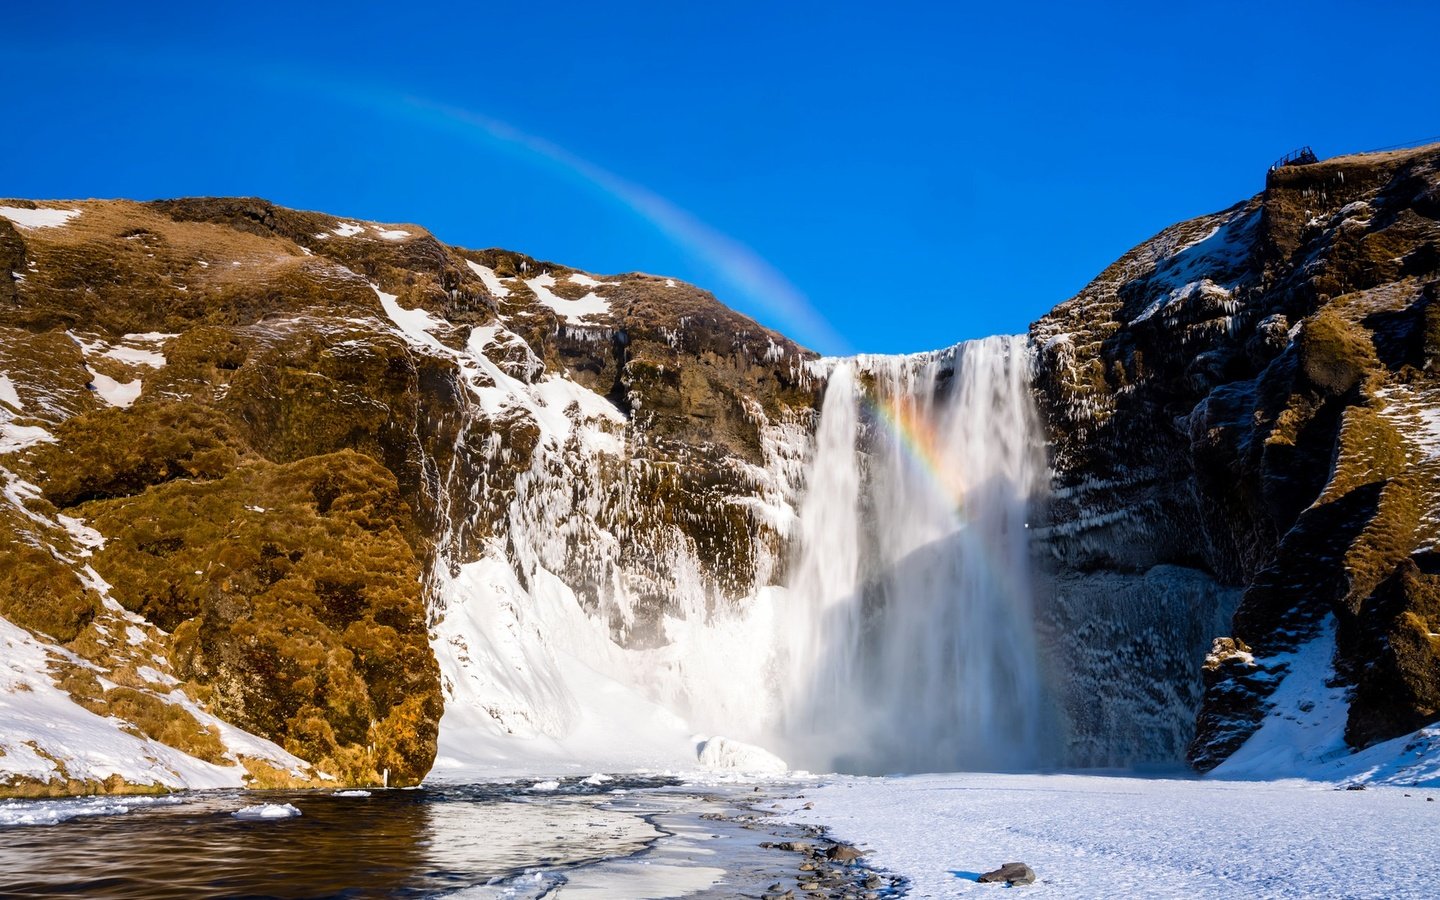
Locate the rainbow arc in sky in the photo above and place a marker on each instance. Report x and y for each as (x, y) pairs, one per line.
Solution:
(754, 280)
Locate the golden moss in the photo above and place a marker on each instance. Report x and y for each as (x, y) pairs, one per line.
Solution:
(294, 600)
(1387, 539)
(1370, 449)
(118, 452)
(1335, 353)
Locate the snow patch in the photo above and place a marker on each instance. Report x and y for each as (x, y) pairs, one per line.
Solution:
(136, 356)
(1190, 272)
(82, 534)
(8, 393)
(348, 229)
(114, 392)
(490, 279)
(1303, 735)
(392, 234)
(415, 324)
(573, 311)
(17, 437)
(38, 218)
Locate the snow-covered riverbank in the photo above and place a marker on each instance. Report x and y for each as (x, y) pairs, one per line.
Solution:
(1094, 836)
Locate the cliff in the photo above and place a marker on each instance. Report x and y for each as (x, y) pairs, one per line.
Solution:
(298, 500)
(1244, 404)
(244, 445)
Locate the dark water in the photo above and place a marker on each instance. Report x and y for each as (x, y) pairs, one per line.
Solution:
(390, 844)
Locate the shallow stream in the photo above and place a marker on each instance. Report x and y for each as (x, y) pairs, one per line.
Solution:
(594, 837)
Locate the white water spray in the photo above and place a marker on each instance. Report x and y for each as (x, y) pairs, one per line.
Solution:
(908, 640)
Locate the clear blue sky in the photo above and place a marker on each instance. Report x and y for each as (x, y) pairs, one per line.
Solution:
(917, 173)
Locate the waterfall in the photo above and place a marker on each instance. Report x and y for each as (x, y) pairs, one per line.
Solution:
(907, 642)
(897, 635)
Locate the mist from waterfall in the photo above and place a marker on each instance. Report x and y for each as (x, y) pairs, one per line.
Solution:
(907, 640)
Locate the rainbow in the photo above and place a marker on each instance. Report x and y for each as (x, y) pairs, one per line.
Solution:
(917, 434)
(757, 285)
(740, 267)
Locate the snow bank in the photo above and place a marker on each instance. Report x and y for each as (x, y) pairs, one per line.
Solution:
(41, 728)
(1303, 735)
(723, 754)
(518, 700)
(1105, 837)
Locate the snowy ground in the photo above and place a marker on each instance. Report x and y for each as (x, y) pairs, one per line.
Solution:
(1094, 836)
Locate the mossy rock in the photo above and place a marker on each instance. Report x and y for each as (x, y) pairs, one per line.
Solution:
(37, 590)
(294, 600)
(1397, 689)
(120, 452)
(1335, 353)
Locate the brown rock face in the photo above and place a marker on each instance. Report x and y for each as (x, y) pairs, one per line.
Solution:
(272, 464)
(1246, 395)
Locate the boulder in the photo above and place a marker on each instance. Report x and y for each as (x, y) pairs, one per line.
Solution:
(1011, 873)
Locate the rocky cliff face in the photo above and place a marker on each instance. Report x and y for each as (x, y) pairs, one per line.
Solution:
(244, 447)
(1248, 397)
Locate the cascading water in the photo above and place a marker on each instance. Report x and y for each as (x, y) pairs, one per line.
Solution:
(908, 639)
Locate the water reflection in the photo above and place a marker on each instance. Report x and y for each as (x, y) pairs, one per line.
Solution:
(393, 843)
